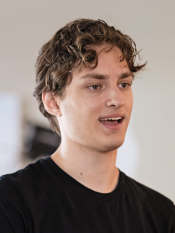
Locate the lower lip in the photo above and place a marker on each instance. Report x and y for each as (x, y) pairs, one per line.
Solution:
(114, 126)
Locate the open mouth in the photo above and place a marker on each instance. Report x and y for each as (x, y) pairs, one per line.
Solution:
(111, 122)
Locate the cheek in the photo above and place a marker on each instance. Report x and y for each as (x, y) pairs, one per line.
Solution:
(92, 107)
(131, 100)
(70, 111)
(130, 104)
(77, 121)
(75, 112)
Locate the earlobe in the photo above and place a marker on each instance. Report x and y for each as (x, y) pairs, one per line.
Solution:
(50, 103)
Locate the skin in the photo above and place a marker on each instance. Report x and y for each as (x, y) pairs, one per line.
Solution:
(88, 149)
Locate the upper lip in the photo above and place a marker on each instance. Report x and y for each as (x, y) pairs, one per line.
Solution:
(112, 116)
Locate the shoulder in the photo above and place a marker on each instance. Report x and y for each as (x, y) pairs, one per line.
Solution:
(20, 192)
(148, 197)
(154, 208)
(12, 207)
(17, 191)
(25, 181)
(31, 173)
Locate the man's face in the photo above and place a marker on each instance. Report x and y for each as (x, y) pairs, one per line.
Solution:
(87, 99)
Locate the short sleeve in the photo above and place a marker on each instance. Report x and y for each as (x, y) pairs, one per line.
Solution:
(12, 211)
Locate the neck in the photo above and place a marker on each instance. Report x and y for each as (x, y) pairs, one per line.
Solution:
(95, 170)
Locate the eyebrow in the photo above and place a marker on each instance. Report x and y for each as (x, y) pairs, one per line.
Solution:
(103, 77)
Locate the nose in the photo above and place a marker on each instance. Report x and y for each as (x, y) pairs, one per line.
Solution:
(115, 97)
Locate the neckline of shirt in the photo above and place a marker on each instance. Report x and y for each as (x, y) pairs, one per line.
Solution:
(75, 184)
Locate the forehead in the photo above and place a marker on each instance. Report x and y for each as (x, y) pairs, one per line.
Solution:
(110, 56)
(109, 60)
(104, 50)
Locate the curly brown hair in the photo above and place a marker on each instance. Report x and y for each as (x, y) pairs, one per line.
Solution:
(71, 45)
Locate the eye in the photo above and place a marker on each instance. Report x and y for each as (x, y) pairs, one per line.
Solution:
(94, 86)
(126, 85)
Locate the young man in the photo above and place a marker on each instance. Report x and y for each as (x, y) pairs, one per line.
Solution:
(84, 76)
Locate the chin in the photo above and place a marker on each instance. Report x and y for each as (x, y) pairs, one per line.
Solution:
(111, 146)
(117, 141)
(119, 144)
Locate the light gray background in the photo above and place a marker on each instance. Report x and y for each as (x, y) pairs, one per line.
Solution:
(148, 154)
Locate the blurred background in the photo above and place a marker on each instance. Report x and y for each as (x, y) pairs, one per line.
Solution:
(148, 153)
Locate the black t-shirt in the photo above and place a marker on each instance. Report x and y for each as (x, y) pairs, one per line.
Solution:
(42, 198)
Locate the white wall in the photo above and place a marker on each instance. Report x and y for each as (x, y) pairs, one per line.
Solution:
(148, 154)
(10, 132)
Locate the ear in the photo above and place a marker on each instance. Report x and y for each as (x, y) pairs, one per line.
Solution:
(50, 104)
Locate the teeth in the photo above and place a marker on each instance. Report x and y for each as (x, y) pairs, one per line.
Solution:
(117, 118)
